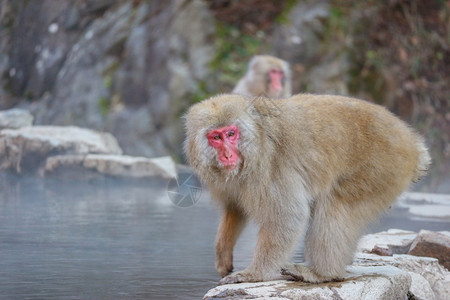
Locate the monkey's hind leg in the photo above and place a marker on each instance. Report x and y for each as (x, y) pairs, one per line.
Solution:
(275, 243)
(330, 242)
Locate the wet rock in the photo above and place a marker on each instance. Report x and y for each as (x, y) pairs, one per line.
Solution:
(15, 118)
(111, 165)
(24, 150)
(362, 282)
(432, 244)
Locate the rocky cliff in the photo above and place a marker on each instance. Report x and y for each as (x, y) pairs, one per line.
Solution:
(127, 67)
(133, 67)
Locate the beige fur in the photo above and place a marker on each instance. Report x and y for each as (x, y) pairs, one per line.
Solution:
(256, 81)
(322, 166)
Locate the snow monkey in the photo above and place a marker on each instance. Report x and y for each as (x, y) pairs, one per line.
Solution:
(324, 167)
(266, 76)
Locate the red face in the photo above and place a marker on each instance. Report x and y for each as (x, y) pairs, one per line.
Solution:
(224, 140)
(276, 79)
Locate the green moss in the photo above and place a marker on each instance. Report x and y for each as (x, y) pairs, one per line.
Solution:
(368, 79)
(28, 95)
(104, 105)
(111, 69)
(234, 50)
(282, 18)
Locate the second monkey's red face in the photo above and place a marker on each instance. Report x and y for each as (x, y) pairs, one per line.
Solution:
(224, 140)
(276, 80)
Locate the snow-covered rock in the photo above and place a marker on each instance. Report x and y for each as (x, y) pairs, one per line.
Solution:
(26, 148)
(15, 118)
(430, 275)
(394, 244)
(371, 276)
(112, 165)
(393, 241)
(378, 282)
(425, 243)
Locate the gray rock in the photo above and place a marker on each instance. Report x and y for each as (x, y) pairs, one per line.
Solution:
(113, 165)
(426, 243)
(429, 274)
(375, 282)
(25, 149)
(387, 243)
(426, 268)
(371, 276)
(298, 40)
(420, 287)
(118, 66)
(15, 118)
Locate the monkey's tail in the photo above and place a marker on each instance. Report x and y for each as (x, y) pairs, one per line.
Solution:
(424, 162)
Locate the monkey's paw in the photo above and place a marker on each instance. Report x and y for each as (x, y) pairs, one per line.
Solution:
(241, 276)
(224, 267)
(303, 273)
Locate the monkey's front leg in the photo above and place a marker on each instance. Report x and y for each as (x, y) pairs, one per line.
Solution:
(231, 225)
(275, 242)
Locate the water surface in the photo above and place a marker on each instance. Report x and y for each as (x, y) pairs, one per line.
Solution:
(105, 239)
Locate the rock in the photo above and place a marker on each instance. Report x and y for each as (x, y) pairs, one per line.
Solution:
(432, 244)
(371, 276)
(428, 268)
(25, 149)
(379, 282)
(112, 165)
(299, 39)
(394, 241)
(125, 67)
(387, 243)
(161, 67)
(420, 287)
(15, 118)
(399, 241)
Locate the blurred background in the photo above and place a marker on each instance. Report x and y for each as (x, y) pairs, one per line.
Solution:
(132, 68)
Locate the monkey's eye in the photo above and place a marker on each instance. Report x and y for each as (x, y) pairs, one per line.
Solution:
(216, 137)
(231, 133)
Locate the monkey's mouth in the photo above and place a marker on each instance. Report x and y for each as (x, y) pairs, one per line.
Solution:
(230, 166)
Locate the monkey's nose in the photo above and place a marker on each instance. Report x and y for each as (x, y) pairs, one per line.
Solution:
(228, 154)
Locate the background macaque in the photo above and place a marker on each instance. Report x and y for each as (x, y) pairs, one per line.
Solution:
(325, 167)
(266, 76)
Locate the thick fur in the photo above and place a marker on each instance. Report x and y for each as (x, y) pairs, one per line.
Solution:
(256, 82)
(322, 166)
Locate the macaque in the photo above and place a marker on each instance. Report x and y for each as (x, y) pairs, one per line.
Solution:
(266, 76)
(322, 170)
